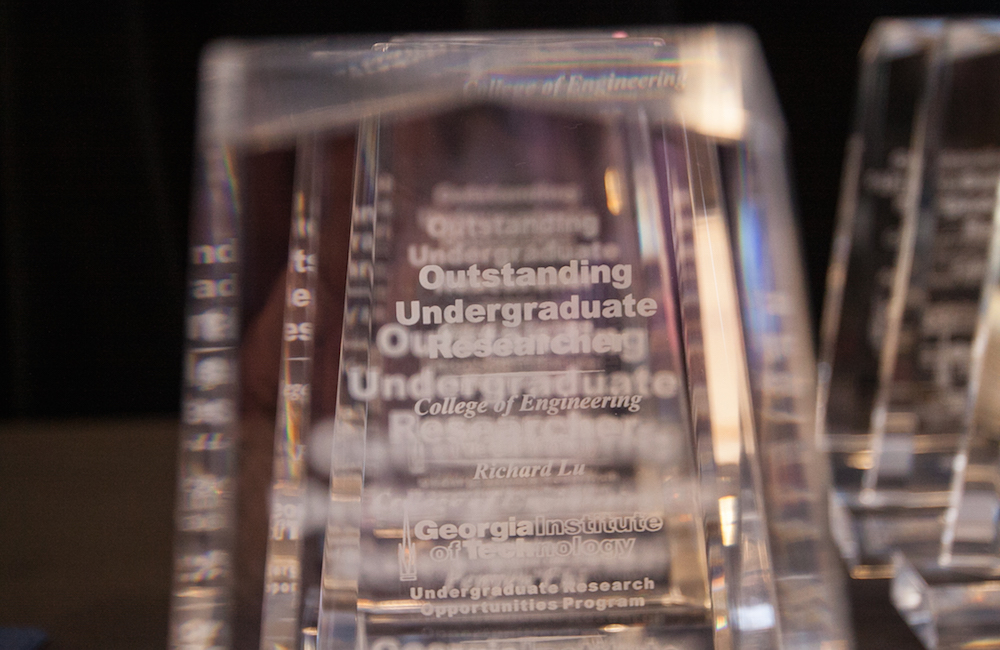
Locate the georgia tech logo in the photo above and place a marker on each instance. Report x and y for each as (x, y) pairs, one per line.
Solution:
(407, 553)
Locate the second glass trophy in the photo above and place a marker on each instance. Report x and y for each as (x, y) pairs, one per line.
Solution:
(910, 332)
(551, 390)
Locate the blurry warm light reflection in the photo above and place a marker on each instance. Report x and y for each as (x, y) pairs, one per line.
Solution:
(860, 460)
(613, 190)
(388, 606)
(712, 102)
(727, 519)
(724, 362)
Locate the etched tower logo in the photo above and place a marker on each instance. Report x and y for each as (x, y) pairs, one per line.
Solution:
(407, 553)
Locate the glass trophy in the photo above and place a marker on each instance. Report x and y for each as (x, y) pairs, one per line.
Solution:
(951, 600)
(916, 491)
(872, 248)
(507, 349)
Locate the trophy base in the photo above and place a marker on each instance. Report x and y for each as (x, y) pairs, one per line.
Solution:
(867, 536)
(606, 637)
(948, 607)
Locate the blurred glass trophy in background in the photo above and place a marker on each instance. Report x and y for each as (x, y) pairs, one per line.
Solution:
(498, 342)
(858, 352)
(908, 373)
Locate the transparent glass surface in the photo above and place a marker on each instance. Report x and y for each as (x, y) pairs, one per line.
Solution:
(527, 458)
(780, 362)
(895, 63)
(517, 350)
(970, 538)
(928, 353)
(918, 482)
(896, 381)
(946, 609)
(881, 177)
(204, 547)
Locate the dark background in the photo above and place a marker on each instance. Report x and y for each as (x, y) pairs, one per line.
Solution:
(97, 105)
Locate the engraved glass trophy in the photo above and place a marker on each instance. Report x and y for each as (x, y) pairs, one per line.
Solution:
(514, 342)
(923, 505)
(872, 253)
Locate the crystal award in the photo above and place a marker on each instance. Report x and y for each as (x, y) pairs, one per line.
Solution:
(916, 486)
(515, 351)
(951, 600)
(873, 246)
